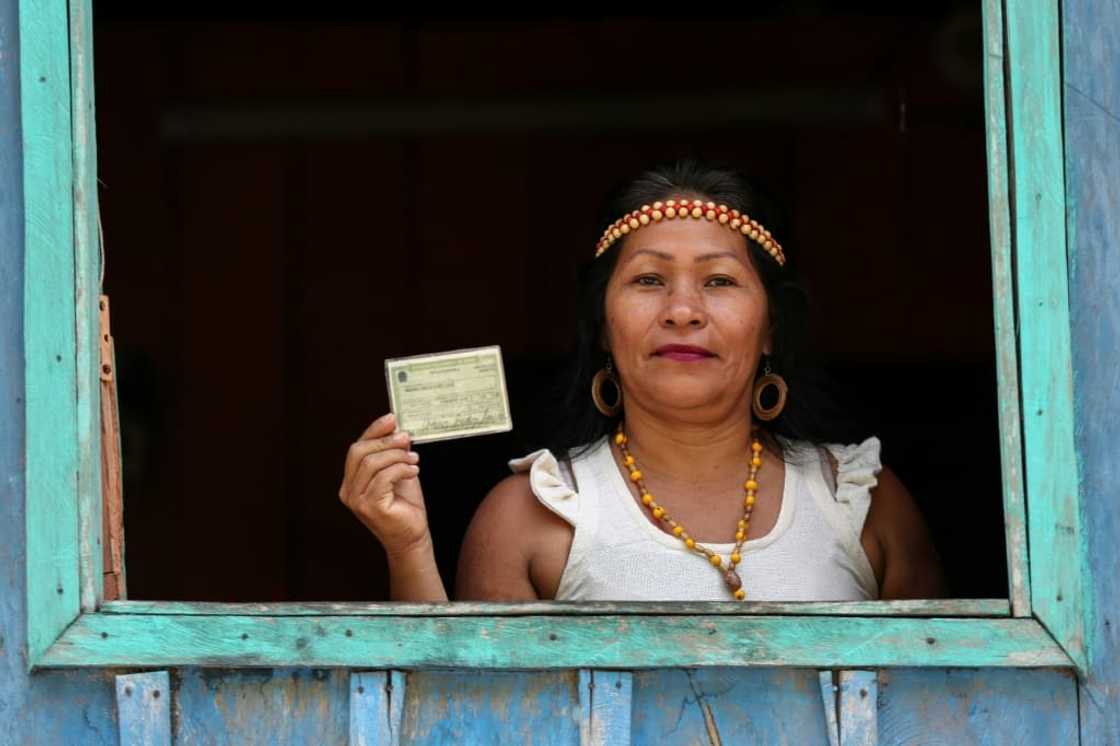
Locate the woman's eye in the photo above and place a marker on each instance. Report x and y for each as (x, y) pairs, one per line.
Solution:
(648, 280)
(721, 281)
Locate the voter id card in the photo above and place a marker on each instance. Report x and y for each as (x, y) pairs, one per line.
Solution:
(449, 394)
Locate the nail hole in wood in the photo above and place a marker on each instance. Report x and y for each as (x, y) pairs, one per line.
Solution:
(349, 633)
(863, 694)
(128, 691)
(58, 358)
(104, 635)
(155, 694)
(552, 636)
(244, 635)
(930, 641)
(361, 690)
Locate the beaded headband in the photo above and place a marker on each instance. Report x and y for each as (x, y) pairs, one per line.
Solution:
(696, 209)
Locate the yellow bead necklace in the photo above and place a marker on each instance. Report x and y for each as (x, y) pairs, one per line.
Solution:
(730, 576)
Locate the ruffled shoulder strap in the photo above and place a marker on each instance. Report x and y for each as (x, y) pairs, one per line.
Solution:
(550, 483)
(856, 473)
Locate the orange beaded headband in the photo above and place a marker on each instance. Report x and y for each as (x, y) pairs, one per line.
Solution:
(696, 209)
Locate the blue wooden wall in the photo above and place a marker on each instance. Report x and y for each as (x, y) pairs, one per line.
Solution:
(739, 706)
(1091, 96)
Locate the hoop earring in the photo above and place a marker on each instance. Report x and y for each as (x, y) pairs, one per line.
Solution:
(768, 379)
(606, 374)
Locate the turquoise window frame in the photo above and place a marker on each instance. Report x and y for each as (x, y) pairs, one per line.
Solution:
(1041, 623)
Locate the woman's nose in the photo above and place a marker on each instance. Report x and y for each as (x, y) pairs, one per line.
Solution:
(684, 309)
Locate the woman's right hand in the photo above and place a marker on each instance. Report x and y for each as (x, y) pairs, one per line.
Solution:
(381, 485)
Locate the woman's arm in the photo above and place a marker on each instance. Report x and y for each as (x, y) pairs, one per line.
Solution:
(515, 548)
(898, 544)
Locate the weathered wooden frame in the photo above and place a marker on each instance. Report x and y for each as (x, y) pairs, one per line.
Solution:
(1041, 624)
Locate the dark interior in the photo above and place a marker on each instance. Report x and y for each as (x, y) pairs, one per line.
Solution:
(288, 200)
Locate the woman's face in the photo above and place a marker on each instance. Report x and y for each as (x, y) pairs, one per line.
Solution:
(687, 319)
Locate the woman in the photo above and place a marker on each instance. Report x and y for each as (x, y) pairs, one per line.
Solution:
(690, 472)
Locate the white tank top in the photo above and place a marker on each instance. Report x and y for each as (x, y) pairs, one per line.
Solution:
(813, 552)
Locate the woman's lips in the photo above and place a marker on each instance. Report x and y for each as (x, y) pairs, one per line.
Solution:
(683, 353)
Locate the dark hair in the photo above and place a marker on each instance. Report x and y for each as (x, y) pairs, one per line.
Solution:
(809, 415)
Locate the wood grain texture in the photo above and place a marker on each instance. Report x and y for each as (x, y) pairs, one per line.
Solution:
(484, 707)
(376, 707)
(953, 707)
(605, 707)
(87, 295)
(144, 709)
(829, 689)
(729, 706)
(268, 706)
(550, 642)
(939, 608)
(1003, 295)
(50, 372)
(1054, 521)
(858, 708)
(1091, 56)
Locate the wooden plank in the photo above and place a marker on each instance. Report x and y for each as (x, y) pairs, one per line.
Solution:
(729, 706)
(87, 292)
(605, 707)
(551, 642)
(1057, 556)
(53, 459)
(1003, 294)
(858, 708)
(963, 608)
(261, 706)
(978, 707)
(491, 707)
(376, 707)
(829, 700)
(144, 709)
(111, 500)
(1091, 57)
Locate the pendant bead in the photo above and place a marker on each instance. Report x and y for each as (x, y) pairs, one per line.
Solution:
(734, 582)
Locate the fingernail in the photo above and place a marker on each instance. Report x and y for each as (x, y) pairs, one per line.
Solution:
(385, 417)
(414, 455)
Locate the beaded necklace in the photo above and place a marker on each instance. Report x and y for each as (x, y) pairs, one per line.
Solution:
(730, 576)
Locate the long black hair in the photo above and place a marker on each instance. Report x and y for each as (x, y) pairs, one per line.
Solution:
(810, 413)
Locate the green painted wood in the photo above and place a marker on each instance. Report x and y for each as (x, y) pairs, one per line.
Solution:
(550, 642)
(858, 708)
(1058, 559)
(52, 458)
(1003, 295)
(376, 707)
(87, 268)
(961, 608)
(605, 699)
(144, 709)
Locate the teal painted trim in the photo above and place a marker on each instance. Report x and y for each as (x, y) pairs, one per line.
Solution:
(1003, 295)
(87, 269)
(627, 642)
(144, 709)
(975, 607)
(376, 708)
(605, 699)
(50, 367)
(1038, 191)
